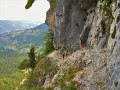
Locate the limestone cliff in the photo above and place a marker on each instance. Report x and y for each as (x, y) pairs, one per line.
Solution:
(97, 23)
(70, 17)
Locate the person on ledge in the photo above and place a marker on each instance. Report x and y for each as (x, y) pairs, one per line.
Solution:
(81, 43)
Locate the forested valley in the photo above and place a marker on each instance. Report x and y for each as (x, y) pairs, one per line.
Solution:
(14, 49)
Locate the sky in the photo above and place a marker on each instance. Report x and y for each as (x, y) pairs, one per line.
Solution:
(15, 10)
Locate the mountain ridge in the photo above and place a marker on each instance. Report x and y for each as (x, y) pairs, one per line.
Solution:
(8, 26)
(21, 40)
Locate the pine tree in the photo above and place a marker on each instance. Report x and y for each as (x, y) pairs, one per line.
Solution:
(31, 55)
(48, 38)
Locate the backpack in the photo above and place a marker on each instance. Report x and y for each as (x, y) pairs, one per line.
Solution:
(82, 42)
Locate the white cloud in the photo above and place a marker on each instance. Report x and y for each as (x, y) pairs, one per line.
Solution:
(15, 10)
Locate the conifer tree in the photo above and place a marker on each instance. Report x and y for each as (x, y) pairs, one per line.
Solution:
(48, 38)
(31, 55)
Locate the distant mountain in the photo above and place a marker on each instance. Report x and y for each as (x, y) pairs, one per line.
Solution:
(42, 26)
(31, 21)
(8, 26)
(21, 40)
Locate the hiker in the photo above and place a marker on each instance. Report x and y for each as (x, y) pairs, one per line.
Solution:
(63, 56)
(81, 43)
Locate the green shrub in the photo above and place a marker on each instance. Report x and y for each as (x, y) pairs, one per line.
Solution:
(53, 4)
(108, 31)
(72, 85)
(24, 64)
(114, 33)
(50, 88)
(103, 26)
(116, 84)
(107, 10)
(70, 76)
(60, 82)
(83, 54)
(31, 55)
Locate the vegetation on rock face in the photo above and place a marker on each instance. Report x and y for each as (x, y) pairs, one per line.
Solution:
(72, 85)
(107, 15)
(38, 75)
(114, 33)
(68, 75)
(61, 82)
(103, 26)
(53, 4)
(116, 84)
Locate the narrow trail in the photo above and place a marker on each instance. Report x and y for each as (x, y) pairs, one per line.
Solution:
(24, 79)
(21, 83)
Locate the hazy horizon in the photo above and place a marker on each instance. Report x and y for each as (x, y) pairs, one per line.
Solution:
(15, 10)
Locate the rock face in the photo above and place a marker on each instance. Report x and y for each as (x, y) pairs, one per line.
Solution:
(82, 18)
(70, 17)
(51, 18)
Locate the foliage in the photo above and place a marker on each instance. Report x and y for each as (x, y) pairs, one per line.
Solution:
(38, 57)
(68, 74)
(72, 85)
(60, 82)
(42, 69)
(114, 33)
(24, 64)
(48, 38)
(44, 65)
(53, 4)
(116, 84)
(29, 4)
(50, 88)
(108, 31)
(31, 62)
(107, 15)
(103, 26)
(31, 55)
(10, 75)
